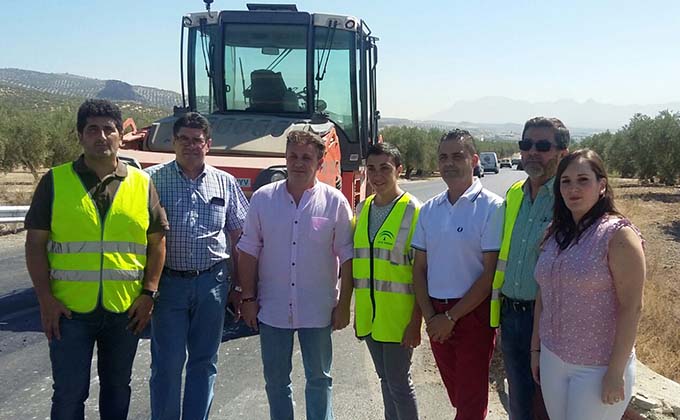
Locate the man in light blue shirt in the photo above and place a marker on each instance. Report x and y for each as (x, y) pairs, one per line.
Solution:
(544, 142)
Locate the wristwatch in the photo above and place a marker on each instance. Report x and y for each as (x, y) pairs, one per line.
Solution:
(237, 288)
(153, 294)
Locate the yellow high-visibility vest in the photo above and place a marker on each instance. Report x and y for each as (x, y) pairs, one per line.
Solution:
(513, 202)
(383, 272)
(95, 260)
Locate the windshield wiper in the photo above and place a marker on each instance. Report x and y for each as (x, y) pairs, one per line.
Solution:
(323, 59)
(207, 49)
(279, 58)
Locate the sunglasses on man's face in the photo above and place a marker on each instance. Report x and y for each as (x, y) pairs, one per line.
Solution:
(541, 145)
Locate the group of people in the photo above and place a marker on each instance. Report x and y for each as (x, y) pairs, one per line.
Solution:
(111, 248)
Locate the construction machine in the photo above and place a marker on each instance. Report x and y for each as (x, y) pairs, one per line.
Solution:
(256, 75)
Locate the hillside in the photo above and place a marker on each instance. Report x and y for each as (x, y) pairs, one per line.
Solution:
(37, 129)
(26, 101)
(69, 85)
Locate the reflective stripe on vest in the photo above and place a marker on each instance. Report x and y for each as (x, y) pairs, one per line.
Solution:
(383, 254)
(94, 260)
(95, 247)
(382, 271)
(385, 286)
(513, 202)
(82, 275)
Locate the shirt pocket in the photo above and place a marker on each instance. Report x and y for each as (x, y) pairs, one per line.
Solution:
(321, 230)
(217, 214)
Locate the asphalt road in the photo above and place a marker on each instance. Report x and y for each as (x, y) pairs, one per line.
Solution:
(239, 391)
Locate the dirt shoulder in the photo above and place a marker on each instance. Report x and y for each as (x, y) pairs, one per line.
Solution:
(655, 210)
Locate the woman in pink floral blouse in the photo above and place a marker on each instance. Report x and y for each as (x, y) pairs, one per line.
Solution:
(591, 273)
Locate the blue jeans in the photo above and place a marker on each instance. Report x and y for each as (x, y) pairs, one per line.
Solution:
(317, 354)
(393, 364)
(187, 319)
(516, 328)
(72, 358)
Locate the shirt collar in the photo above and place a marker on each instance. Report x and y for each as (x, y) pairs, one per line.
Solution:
(547, 187)
(81, 167)
(470, 194)
(181, 172)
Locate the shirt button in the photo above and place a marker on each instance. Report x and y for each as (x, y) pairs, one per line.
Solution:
(293, 243)
(531, 220)
(292, 284)
(293, 263)
(516, 284)
(296, 222)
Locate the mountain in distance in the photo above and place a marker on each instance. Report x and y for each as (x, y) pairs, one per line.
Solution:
(84, 87)
(589, 115)
(482, 131)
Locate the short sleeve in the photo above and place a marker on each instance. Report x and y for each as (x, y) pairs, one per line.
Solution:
(251, 237)
(419, 240)
(39, 214)
(343, 240)
(617, 224)
(158, 219)
(238, 206)
(493, 228)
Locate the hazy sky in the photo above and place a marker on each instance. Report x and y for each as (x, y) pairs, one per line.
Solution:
(431, 52)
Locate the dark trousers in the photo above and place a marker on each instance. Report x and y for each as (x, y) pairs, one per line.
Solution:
(72, 359)
(517, 324)
(392, 363)
(464, 360)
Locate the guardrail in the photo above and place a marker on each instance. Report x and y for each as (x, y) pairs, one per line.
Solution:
(13, 214)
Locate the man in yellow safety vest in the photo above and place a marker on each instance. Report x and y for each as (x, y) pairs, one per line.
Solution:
(528, 212)
(386, 315)
(95, 248)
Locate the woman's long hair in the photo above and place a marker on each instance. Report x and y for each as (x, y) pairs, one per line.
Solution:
(563, 227)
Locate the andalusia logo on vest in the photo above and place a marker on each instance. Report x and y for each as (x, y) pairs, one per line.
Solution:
(385, 237)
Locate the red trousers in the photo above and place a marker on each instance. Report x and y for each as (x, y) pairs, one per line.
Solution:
(464, 359)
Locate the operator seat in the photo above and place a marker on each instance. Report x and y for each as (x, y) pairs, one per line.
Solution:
(267, 91)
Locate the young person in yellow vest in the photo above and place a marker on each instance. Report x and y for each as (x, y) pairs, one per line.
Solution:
(528, 211)
(95, 248)
(457, 239)
(386, 316)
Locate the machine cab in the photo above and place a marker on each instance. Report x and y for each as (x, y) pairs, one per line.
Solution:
(259, 73)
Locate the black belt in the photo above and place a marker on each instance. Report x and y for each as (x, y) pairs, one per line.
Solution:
(518, 305)
(445, 301)
(189, 273)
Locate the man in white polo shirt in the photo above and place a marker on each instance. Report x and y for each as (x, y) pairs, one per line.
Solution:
(457, 240)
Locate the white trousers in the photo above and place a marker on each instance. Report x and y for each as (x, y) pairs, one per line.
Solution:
(574, 392)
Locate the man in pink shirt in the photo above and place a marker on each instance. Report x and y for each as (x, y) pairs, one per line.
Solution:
(297, 234)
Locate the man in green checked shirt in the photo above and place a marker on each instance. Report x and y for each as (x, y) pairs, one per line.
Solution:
(528, 212)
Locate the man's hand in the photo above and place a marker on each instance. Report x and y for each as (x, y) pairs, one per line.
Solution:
(440, 328)
(51, 311)
(535, 366)
(340, 317)
(412, 335)
(140, 313)
(234, 299)
(249, 311)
